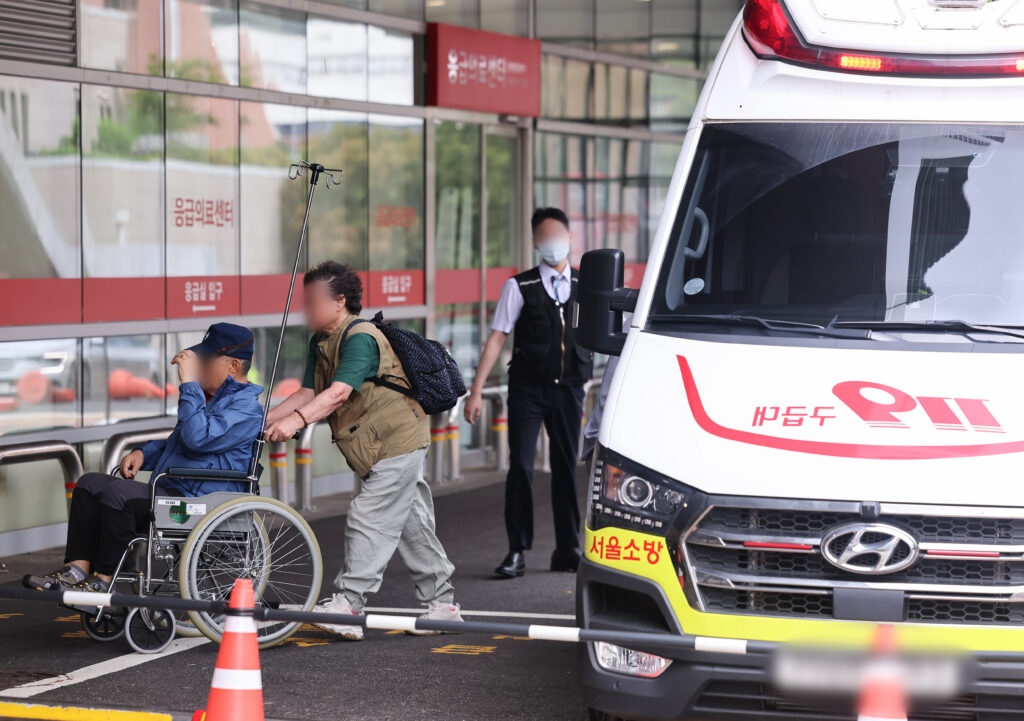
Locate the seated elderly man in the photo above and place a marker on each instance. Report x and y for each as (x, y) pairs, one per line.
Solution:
(219, 416)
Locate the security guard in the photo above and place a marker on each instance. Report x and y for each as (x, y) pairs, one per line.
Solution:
(546, 377)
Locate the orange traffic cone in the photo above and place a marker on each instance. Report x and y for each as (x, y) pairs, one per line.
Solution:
(236, 693)
(883, 696)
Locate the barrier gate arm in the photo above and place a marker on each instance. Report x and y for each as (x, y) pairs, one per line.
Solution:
(538, 632)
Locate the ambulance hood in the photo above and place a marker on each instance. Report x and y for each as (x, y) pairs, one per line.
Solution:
(790, 421)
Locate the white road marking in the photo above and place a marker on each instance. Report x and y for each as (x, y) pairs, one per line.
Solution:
(488, 614)
(97, 670)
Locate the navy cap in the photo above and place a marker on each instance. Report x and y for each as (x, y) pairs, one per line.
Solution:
(225, 339)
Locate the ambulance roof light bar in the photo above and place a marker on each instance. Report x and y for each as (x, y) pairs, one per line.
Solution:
(771, 35)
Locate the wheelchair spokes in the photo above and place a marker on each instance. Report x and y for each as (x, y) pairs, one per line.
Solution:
(264, 541)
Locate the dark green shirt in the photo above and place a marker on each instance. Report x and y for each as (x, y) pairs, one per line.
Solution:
(360, 359)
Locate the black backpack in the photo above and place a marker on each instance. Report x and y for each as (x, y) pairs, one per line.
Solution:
(434, 375)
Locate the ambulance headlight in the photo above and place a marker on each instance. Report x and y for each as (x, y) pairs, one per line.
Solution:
(625, 493)
(635, 491)
(625, 660)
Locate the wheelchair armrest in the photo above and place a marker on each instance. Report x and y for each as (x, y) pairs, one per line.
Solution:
(207, 474)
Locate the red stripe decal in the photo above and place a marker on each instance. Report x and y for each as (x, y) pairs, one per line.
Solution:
(784, 546)
(278, 455)
(972, 554)
(827, 448)
(303, 450)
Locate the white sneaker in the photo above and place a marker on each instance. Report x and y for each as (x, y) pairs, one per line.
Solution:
(339, 604)
(439, 611)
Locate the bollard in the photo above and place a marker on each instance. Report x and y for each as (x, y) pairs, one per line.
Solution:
(279, 471)
(453, 442)
(499, 425)
(304, 469)
(545, 451)
(498, 410)
(438, 435)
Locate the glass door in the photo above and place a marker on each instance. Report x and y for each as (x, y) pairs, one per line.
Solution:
(478, 241)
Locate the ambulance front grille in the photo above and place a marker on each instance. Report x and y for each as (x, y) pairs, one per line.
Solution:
(746, 559)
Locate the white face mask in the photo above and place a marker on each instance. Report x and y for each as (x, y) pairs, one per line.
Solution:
(553, 251)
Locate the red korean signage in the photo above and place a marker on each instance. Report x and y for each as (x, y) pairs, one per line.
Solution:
(487, 72)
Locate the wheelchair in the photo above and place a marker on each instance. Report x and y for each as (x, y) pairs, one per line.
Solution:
(196, 547)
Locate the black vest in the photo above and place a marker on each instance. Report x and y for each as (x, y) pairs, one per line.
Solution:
(544, 347)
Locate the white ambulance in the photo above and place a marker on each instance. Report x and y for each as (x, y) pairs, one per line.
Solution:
(817, 420)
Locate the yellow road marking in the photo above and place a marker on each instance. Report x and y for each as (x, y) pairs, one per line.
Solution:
(302, 642)
(464, 650)
(10, 615)
(514, 638)
(68, 713)
(68, 619)
(75, 634)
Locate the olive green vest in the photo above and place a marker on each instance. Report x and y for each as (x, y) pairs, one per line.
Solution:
(375, 422)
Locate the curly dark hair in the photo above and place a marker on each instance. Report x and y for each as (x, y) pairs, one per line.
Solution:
(342, 280)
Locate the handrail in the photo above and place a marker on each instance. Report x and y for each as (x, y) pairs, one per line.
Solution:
(115, 446)
(65, 453)
(445, 457)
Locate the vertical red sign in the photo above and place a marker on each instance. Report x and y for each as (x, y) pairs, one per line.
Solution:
(478, 70)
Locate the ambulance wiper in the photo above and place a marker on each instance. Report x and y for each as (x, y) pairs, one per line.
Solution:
(773, 324)
(937, 326)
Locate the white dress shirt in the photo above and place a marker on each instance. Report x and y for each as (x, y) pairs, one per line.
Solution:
(510, 303)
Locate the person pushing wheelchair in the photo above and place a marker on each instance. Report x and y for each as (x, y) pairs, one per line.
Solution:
(219, 417)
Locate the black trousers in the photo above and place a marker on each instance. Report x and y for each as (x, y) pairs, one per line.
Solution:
(106, 514)
(560, 409)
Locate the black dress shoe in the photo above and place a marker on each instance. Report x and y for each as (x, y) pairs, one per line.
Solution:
(513, 566)
(565, 560)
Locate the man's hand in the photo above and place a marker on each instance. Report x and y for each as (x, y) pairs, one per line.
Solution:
(188, 366)
(285, 428)
(473, 406)
(132, 463)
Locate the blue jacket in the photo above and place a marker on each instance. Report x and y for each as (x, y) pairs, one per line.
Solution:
(218, 434)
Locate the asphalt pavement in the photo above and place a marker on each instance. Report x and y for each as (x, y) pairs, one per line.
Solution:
(316, 675)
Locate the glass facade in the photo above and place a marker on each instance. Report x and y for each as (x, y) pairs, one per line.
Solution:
(136, 212)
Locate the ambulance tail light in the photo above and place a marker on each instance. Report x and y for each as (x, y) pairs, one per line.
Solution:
(771, 35)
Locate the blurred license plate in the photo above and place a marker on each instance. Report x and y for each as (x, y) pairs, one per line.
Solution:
(835, 672)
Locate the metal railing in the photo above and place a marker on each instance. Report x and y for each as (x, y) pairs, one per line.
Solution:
(65, 453)
(115, 446)
(445, 462)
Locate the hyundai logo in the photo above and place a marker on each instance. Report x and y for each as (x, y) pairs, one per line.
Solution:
(869, 548)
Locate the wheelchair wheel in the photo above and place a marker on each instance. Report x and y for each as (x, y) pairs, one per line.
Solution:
(263, 540)
(184, 626)
(149, 630)
(105, 626)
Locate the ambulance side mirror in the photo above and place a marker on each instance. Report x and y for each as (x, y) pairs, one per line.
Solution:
(601, 300)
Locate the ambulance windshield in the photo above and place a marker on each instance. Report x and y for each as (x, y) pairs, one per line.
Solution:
(823, 223)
